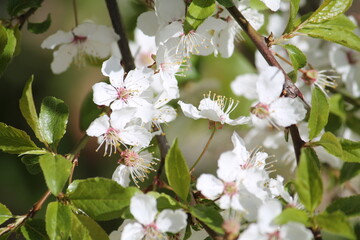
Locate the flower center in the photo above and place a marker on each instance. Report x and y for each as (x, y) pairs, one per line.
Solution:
(230, 188)
(260, 110)
(152, 233)
(111, 140)
(123, 94)
(274, 236)
(79, 39)
(352, 57)
(310, 76)
(130, 158)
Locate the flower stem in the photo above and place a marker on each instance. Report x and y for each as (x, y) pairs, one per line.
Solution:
(75, 13)
(204, 150)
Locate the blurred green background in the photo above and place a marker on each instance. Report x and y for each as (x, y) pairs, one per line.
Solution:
(18, 188)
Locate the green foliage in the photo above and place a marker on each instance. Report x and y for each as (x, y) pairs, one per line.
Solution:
(319, 112)
(335, 223)
(351, 150)
(292, 215)
(226, 3)
(294, 9)
(5, 213)
(209, 216)
(58, 221)
(88, 112)
(53, 119)
(31, 163)
(100, 198)
(329, 9)
(308, 180)
(56, 171)
(85, 228)
(177, 171)
(349, 206)
(34, 229)
(28, 110)
(164, 201)
(15, 141)
(337, 107)
(349, 170)
(16, 7)
(297, 57)
(8, 42)
(197, 12)
(331, 144)
(41, 27)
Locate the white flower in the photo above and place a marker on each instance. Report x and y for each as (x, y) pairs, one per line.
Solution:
(135, 162)
(245, 85)
(122, 92)
(215, 108)
(150, 224)
(279, 111)
(274, 5)
(85, 39)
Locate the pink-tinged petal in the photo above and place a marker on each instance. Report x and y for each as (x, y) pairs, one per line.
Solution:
(295, 231)
(210, 186)
(287, 111)
(171, 221)
(143, 208)
(104, 94)
(270, 84)
(245, 85)
(133, 231)
(99, 126)
(189, 110)
(60, 37)
(63, 58)
(170, 10)
(147, 22)
(122, 175)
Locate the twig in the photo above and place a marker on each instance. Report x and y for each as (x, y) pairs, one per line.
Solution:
(127, 59)
(128, 62)
(75, 13)
(289, 88)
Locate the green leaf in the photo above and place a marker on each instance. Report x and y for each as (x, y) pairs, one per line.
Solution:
(85, 228)
(15, 7)
(351, 150)
(104, 201)
(336, 34)
(58, 221)
(308, 180)
(292, 215)
(53, 119)
(349, 206)
(331, 144)
(337, 107)
(7, 47)
(27, 108)
(89, 112)
(335, 223)
(34, 229)
(15, 141)
(177, 171)
(56, 171)
(294, 9)
(5, 213)
(339, 21)
(164, 201)
(41, 27)
(349, 170)
(197, 13)
(329, 9)
(319, 112)
(209, 216)
(297, 57)
(31, 163)
(226, 3)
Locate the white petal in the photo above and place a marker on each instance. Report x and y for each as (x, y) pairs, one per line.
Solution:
(133, 231)
(85, 29)
(104, 94)
(122, 175)
(267, 213)
(136, 136)
(60, 37)
(112, 67)
(239, 147)
(189, 110)
(238, 121)
(245, 85)
(174, 29)
(170, 10)
(171, 221)
(120, 118)
(225, 202)
(226, 42)
(270, 84)
(210, 186)
(165, 114)
(147, 22)
(99, 126)
(295, 231)
(287, 111)
(274, 5)
(63, 58)
(143, 208)
(252, 233)
(138, 80)
(229, 166)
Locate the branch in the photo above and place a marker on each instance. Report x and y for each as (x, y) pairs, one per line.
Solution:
(290, 90)
(129, 64)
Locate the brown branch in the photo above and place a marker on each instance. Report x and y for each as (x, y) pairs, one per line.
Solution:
(290, 90)
(128, 62)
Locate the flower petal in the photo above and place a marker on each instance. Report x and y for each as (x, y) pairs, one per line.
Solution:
(287, 111)
(122, 175)
(171, 221)
(210, 186)
(270, 84)
(104, 94)
(99, 126)
(60, 37)
(63, 58)
(189, 110)
(133, 231)
(143, 208)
